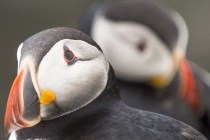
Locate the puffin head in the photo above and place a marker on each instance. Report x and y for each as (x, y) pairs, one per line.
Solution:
(142, 39)
(60, 70)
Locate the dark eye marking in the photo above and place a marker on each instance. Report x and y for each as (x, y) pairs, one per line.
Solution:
(69, 56)
(141, 47)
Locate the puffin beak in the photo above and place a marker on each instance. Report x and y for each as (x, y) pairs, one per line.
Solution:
(188, 87)
(23, 107)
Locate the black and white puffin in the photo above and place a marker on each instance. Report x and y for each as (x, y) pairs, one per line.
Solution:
(145, 42)
(66, 89)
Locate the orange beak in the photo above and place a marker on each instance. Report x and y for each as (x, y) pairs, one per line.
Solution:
(23, 107)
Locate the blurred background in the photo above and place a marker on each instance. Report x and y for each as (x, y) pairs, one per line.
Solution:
(21, 19)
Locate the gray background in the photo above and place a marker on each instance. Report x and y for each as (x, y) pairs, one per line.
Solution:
(20, 19)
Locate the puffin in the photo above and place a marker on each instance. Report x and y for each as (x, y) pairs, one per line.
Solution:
(145, 41)
(66, 89)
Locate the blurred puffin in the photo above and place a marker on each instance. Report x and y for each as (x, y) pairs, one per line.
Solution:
(65, 89)
(145, 42)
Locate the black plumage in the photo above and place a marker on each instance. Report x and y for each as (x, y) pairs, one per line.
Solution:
(141, 95)
(152, 14)
(107, 117)
(168, 100)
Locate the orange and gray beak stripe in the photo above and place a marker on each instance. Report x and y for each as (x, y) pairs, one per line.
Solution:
(23, 107)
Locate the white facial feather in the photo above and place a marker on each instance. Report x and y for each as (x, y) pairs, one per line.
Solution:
(13, 136)
(19, 54)
(183, 37)
(118, 41)
(75, 85)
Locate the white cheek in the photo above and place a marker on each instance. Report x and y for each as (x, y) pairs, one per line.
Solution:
(75, 85)
(19, 54)
(128, 63)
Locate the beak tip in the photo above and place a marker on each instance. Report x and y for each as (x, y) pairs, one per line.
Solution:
(9, 127)
(8, 130)
(22, 111)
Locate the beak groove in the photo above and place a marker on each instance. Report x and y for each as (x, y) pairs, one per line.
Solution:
(23, 107)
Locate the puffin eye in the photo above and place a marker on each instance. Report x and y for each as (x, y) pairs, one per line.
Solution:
(141, 47)
(69, 56)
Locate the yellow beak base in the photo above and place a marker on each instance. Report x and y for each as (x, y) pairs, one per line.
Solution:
(47, 97)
